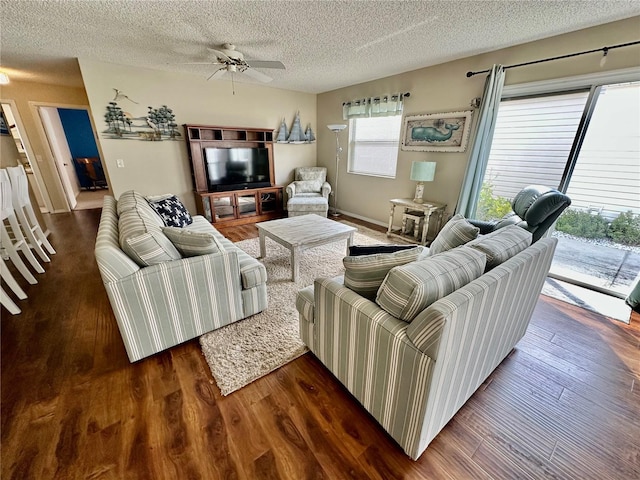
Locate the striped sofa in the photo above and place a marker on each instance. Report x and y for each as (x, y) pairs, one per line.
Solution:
(414, 368)
(170, 302)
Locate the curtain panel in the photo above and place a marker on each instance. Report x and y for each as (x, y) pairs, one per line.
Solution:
(479, 156)
(382, 106)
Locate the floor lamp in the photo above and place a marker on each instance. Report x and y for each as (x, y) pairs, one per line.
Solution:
(336, 128)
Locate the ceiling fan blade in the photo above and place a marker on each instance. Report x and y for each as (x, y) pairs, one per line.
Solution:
(217, 74)
(257, 75)
(265, 64)
(221, 55)
(201, 63)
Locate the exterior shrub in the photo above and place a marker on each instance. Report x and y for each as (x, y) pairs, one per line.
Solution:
(582, 224)
(490, 206)
(625, 229)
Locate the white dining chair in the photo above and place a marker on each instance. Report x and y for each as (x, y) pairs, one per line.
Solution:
(11, 244)
(25, 214)
(6, 302)
(7, 277)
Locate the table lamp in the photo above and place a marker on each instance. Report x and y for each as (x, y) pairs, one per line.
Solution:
(422, 172)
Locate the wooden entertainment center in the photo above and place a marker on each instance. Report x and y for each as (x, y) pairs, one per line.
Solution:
(238, 206)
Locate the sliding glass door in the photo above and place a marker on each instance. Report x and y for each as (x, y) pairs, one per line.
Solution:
(599, 237)
(586, 143)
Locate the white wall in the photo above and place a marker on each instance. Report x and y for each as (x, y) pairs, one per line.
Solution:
(161, 167)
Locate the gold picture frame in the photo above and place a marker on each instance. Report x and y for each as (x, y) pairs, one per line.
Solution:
(436, 132)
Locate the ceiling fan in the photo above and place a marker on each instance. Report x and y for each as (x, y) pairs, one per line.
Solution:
(228, 59)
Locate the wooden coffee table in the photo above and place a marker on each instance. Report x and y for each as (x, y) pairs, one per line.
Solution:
(302, 232)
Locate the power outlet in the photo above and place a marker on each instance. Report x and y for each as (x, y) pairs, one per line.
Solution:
(120, 163)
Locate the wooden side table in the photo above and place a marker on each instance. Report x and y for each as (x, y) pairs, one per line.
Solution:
(414, 211)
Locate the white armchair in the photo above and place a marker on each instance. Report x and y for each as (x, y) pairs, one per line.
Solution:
(309, 192)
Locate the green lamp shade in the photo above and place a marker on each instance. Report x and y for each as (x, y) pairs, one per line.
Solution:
(423, 171)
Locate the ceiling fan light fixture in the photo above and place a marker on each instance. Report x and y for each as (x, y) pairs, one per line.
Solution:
(230, 60)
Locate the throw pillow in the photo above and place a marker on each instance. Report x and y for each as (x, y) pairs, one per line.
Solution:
(364, 274)
(409, 289)
(312, 173)
(456, 232)
(357, 250)
(143, 241)
(172, 211)
(190, 243)
(502, 244)
(308, 186)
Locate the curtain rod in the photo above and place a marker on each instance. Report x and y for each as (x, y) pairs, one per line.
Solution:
(605, 50)
(407, 94)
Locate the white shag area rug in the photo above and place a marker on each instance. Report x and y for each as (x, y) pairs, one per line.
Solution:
(246, 350)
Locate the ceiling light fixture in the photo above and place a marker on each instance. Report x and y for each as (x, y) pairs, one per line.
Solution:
(4, 78)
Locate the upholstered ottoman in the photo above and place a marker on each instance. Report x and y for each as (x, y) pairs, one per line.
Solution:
(302, 204)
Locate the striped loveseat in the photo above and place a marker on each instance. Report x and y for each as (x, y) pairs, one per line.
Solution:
(177, 299)
(414, 353)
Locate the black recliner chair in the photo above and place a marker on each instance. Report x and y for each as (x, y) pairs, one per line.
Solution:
(535, 208)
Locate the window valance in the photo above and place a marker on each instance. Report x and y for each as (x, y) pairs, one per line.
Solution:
(382, 106)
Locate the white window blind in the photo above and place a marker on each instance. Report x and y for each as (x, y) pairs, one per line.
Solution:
(532, 141)
(373, 145)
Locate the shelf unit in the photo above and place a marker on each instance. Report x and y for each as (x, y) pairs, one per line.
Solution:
(238, 207)
(233, 207)
(232, 134)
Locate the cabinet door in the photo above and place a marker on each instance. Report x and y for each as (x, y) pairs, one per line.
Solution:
(247, 205)
(269, 201)
(223, 207)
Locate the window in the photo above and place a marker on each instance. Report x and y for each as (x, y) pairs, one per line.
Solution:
(531, 144)
(373, 145)
(586, 142)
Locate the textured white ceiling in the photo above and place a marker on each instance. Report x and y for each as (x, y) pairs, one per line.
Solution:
(324, 44)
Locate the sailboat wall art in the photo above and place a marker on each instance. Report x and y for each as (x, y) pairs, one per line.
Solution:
(296, 135)
(283, 133)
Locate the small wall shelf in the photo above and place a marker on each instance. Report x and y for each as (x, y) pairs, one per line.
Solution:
(231, 134)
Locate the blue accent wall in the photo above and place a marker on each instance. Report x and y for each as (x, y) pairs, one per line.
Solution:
(79, 134)
(77, 129)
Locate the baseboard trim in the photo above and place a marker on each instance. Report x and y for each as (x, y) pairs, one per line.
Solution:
(365, 219)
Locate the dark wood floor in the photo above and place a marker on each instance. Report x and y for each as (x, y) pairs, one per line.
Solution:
(564, 404)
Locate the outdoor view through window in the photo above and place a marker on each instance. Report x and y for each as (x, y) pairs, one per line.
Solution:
(599, 235)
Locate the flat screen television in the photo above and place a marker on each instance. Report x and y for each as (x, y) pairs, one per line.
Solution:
(236, 168)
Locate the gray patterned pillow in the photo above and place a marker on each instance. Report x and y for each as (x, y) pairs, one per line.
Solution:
(191, 243)
(143, 241)
(132, 200)
(308, 186)
(456, 232)
(409, 289)
(502, 244)
(364, 274)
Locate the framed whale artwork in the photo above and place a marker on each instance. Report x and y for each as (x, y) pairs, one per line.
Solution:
(436, 132)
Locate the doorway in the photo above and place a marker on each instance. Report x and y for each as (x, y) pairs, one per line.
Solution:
(585, 142)
(71, 139)
(602, 177)
(16, 150)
